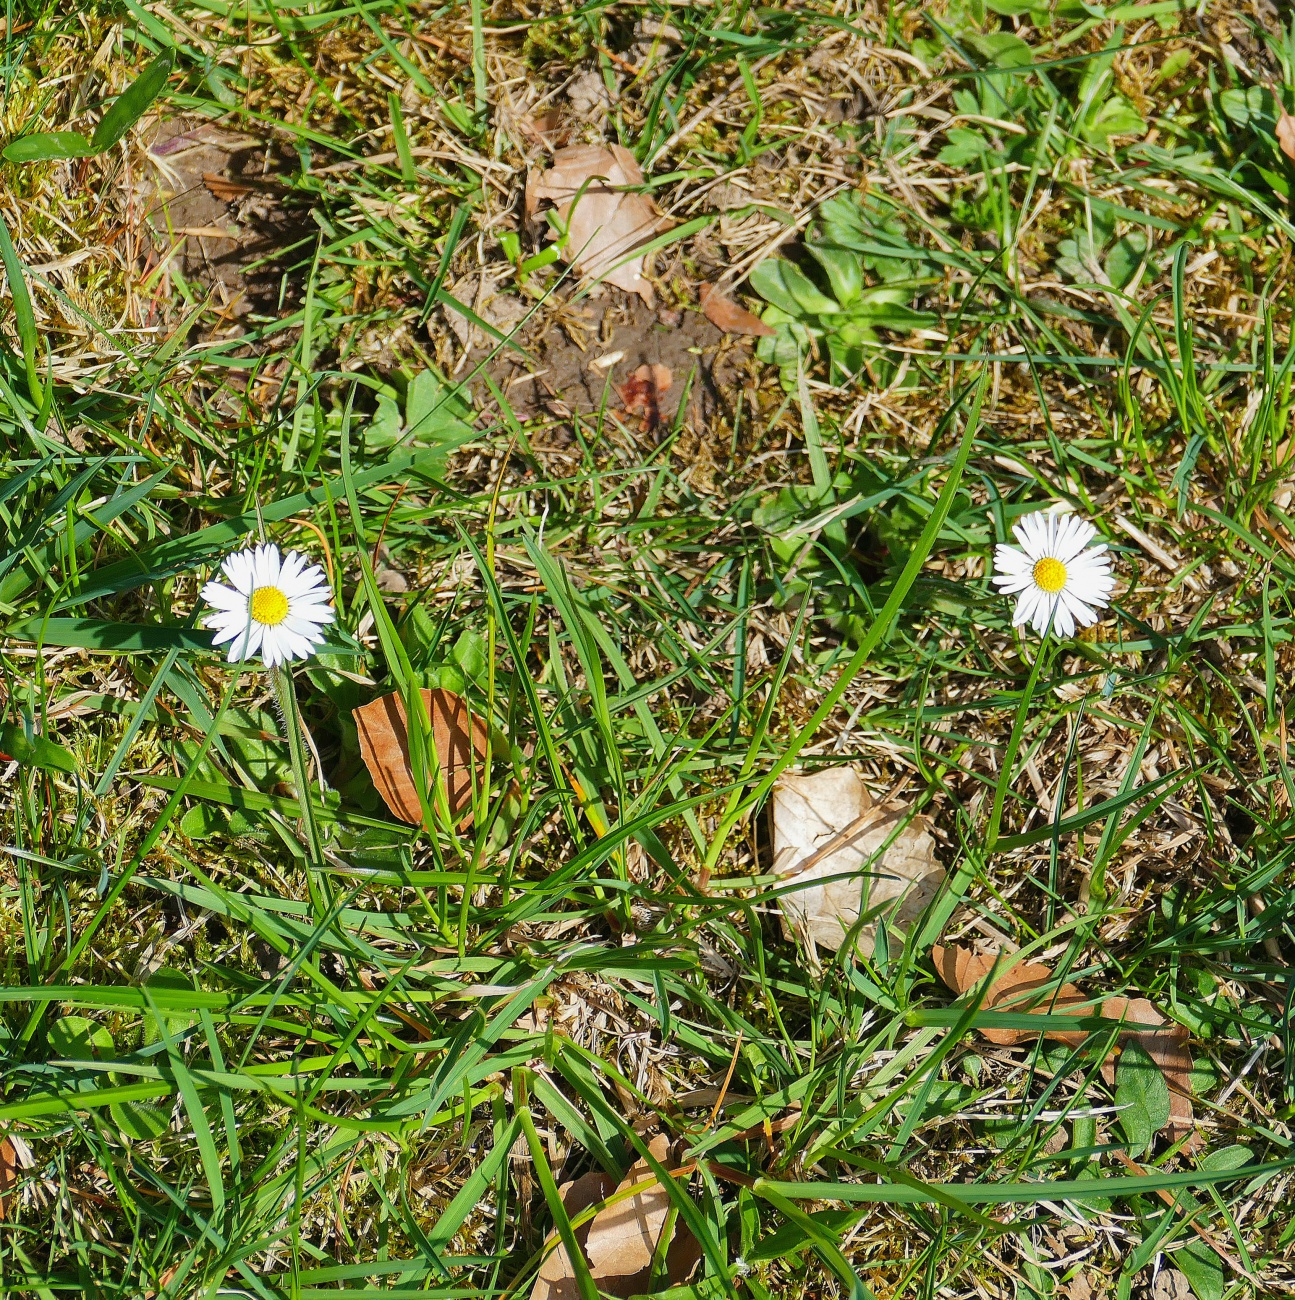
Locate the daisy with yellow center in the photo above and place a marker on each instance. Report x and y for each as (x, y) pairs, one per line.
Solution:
(1059, 580)
(274, 604)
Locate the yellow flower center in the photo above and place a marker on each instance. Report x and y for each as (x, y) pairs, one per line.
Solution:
(270, 605)
(1049, 575)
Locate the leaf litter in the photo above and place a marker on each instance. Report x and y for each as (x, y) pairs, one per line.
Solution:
(458, 734)
(592, 189)
(1021, 986)
(620, 1241)
(848, 855)
(728, 316)
(644, 391)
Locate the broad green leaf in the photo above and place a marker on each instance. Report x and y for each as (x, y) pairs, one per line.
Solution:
(34, 751)
(140, 1120)
(844, 269)
(1142, 1095)
(435, 415)
(1125, 257)
(1002, 50)
(132, 103)
(79, 1038)
(1254, 107)
(44, 146)
(965, 146)
(787, 286)
(1232, 1157)
(1202, 1268)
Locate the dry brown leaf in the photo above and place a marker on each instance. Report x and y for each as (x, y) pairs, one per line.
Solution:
(224, 189)
(1020, 988)
(621, 1239)
(1169, 1049)
(588, 184)
(384, 746)
(1017, 988)
(1079, 1288)
(644, 391)
(505, 311)
(545, 127)
(826, 824)
(725, 314)
(1286, 135)
(9, 1166)
(557, 1279)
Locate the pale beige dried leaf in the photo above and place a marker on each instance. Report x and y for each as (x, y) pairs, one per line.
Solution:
(725, 314)
(825, 824)
(623, 1237)
(1170, 1284)
(1079, 1287)
(505, 311)
(621, 1240)
(605, 222)
(556, 1279)
(384, 746)
(1286, 135)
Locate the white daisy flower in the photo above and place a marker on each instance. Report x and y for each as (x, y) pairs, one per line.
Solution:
(275, 604)
(1059, 580)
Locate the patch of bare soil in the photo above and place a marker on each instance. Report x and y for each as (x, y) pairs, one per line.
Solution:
(213, 211)
(579, 355)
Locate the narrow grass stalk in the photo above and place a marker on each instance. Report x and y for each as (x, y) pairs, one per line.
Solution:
(1013, 744)
(286, 693)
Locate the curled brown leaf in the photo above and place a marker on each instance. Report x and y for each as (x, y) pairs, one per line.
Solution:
(384, 746)
(727, 315)
(592, 188)
(1285, 133)
(1030, 987)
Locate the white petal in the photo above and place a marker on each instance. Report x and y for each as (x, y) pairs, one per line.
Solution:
(238, 569)
(1025, 607)
(1084, 616)
(313, 613)
(303, 585)
(292, 565)
(268, 564)
(1007, 559)
(301, 647)
(1063, 621)
(1079, 533)
(1031, 532)
(222, 597)
(303, 627)
(246, 643)
(271, 646)
(224, 631)
(1093, 590)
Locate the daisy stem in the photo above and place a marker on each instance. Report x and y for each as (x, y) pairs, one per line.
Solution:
(1014, 744)
(286, 690)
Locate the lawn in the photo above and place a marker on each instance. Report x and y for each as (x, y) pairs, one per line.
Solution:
(716, 894)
